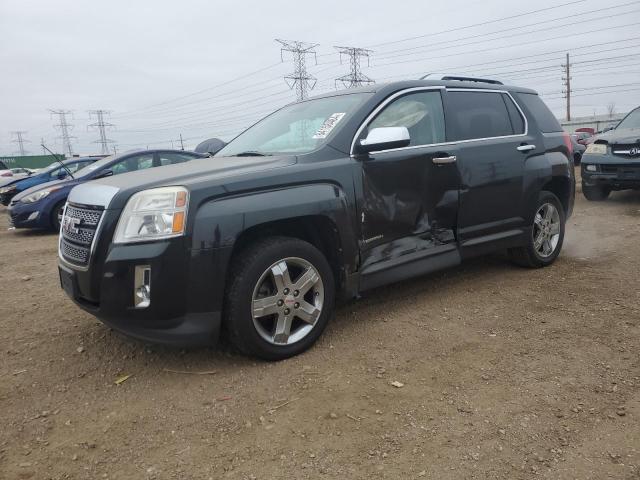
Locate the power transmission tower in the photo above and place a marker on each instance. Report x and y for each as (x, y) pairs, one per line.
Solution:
(300, 79)
(567, 86)
(102, 127)
(65, 128)
(20, 141)
(355, 78)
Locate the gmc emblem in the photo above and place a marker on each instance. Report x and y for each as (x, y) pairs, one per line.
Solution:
(70, 224)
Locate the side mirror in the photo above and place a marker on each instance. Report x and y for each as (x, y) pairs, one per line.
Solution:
(105, 173)
(384, 138)
(62, 176)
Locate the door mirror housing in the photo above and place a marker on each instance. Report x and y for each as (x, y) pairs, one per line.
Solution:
(105, 173)
(384, 138)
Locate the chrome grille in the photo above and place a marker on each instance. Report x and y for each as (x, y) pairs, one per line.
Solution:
(74, 254)
(77, 237)
(88, 217)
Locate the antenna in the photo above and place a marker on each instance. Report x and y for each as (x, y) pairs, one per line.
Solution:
(300, 79)
(355, 78)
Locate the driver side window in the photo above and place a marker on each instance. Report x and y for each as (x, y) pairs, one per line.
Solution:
(131, 164)
(420, 112)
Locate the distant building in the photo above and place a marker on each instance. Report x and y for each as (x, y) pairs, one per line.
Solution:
(30, 161)
(597, 122)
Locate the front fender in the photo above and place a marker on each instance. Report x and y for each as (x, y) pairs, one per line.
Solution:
(219, 222)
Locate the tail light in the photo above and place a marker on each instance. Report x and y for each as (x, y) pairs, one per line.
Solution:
(7, 174)
(567, 142)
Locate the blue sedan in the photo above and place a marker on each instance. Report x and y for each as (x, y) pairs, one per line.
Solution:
(56, 171)
(42, 206)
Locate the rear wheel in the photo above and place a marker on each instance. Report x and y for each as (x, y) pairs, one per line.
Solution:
(56, 216)
(280, 298)
(547, 234)
(595, 193)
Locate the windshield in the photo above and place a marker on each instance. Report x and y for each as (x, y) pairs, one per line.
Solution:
(297, 128)
(631, 121)
(92, 167)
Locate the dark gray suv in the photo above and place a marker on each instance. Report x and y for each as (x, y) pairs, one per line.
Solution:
(324, 198)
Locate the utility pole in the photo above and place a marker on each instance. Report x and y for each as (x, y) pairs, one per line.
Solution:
(115, 150)
(102, 126)
(44, 150)
(20, 141)
(65, 128)
(355, 78)
(181, 142)
(567, 86)
(300, 79)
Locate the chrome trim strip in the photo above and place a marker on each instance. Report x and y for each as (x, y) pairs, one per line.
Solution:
(408, 90)
(82, 268)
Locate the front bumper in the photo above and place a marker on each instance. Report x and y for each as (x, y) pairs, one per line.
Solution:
(186, 292)
(610, 173)
(27, 215)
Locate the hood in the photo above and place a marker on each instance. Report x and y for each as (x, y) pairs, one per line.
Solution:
(6, 181)
(189, 174)
(620, 135)
(43, 186)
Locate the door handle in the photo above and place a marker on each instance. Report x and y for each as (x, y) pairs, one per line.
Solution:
(526, 148)
(444, 160)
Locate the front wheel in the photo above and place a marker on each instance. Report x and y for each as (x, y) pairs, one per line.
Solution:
(56, 216)
(547, 234)
(280, 298)
(595, 193)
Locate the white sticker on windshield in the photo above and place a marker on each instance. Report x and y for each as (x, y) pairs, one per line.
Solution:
(328, 125)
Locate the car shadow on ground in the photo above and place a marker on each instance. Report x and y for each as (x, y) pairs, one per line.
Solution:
(224, 356)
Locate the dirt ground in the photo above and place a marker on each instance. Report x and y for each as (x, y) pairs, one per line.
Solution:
(508, 373)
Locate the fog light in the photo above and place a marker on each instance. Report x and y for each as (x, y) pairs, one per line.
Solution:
(33, 216)
(142, 286)
(590, 168)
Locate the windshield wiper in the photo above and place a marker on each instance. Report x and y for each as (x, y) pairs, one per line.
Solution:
(252, 153)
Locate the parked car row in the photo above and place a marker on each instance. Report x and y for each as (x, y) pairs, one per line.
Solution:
(38, 201)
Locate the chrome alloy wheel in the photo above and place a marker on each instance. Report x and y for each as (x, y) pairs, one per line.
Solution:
(546, 230)
(287, 301)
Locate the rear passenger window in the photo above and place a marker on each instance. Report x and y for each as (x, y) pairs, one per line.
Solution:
(546, 121)
(478, 115)
(420, 112)
(171, 158)
(517, 122)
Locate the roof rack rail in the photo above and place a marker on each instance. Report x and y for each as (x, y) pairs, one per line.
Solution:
(464, 79)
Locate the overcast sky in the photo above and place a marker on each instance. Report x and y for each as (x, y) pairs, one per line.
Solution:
(205, 68)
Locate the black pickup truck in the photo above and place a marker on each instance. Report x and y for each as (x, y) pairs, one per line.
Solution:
(322, 199)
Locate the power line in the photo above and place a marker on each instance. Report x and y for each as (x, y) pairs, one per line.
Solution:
(497, 20)
(355, 78)
(65, 128)
(300, 79)
(102, 126)
(20, 140)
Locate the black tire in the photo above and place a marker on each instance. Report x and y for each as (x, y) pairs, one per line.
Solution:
(528, 256)
(246, 271)
(595, 193)
(55, 221)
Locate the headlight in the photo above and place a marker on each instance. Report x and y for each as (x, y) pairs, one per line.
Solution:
(153, 214)
(39, 195)
(597, 149)
(591, 168)
(8, 189)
